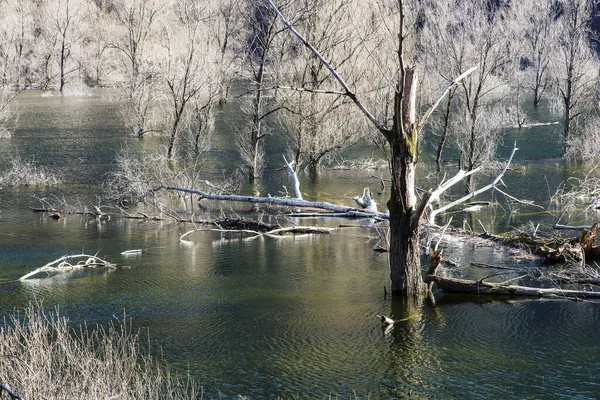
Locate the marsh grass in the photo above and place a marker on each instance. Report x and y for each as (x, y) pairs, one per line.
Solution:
(27, 173)
(41, 357)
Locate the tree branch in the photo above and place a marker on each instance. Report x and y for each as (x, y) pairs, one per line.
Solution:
(348, 91)
(303, 89)
(443, 94)
(493, 184)
(290, 167)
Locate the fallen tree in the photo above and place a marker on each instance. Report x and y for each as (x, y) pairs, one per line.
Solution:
(455, 285)
(351, 212)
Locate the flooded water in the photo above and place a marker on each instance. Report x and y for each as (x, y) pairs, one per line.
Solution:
(294, 317)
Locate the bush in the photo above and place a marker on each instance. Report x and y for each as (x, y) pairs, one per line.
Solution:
(26, 173)
(42, 358)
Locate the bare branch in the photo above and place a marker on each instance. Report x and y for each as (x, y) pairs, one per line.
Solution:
(443, 94)
(493, 184)
(290, 167)
(303, 89)
(348, 91)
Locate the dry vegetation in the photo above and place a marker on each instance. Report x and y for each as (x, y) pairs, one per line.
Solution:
(43, 358)
(27, 173)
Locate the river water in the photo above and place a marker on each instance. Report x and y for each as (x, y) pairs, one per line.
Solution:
(294, 317)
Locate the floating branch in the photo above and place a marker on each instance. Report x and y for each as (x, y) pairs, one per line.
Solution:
(67, 263)
(132, 252)
(279, 232)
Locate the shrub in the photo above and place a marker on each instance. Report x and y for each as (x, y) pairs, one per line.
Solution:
(42, 358)
(26, 173)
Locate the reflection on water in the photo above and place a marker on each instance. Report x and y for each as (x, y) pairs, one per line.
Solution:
(269, 317)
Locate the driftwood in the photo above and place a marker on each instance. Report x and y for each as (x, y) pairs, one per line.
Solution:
(551, 250)
(365, 201)
(578, 249)
(462, 174)
(521, 126)
(505, 288)
(275, 232)
(65, 263)
(286, 202)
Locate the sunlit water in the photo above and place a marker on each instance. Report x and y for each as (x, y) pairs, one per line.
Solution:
(268, 317)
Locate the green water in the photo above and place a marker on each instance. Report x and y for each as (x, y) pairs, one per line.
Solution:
(294, 317)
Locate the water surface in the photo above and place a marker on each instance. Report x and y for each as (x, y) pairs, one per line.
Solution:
(294, 317)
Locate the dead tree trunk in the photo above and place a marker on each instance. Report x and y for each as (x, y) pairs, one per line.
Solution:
(404, 213)
(404, 251)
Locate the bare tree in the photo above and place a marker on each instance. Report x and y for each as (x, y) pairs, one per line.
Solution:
(135, 23)
(229, 34)
(535, 21)
(8, 114)
(259, 63)
(95, 55)
(405, 211)
(475, 34)
(64, 27)
(319, 127)
(16, 40)
(574, 65)
(189, 72)
(135, 39)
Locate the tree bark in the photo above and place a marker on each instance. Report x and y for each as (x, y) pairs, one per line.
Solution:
(404, 248)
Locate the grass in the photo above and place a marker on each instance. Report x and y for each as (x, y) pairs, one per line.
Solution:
(42, 358)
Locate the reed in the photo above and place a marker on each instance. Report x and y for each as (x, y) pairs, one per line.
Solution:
(42, 357)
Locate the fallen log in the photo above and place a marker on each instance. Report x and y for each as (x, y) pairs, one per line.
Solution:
(455, 285)
(297, 203)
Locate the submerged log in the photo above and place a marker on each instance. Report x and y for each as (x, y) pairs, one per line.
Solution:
(455, 285)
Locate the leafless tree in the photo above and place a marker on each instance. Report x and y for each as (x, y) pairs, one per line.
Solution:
(95, 56)
(188, 68)
(229, 32)
(474, 33)
(398, 78)
(574, 64)
(134, 40)
(319, 126)
(16, 40)
(64, 26)
(259, 64)
(535, 20)
(8, 114)
(135, 31)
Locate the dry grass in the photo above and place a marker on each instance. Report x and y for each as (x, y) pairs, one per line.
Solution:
(42, 358)
(26, 173)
